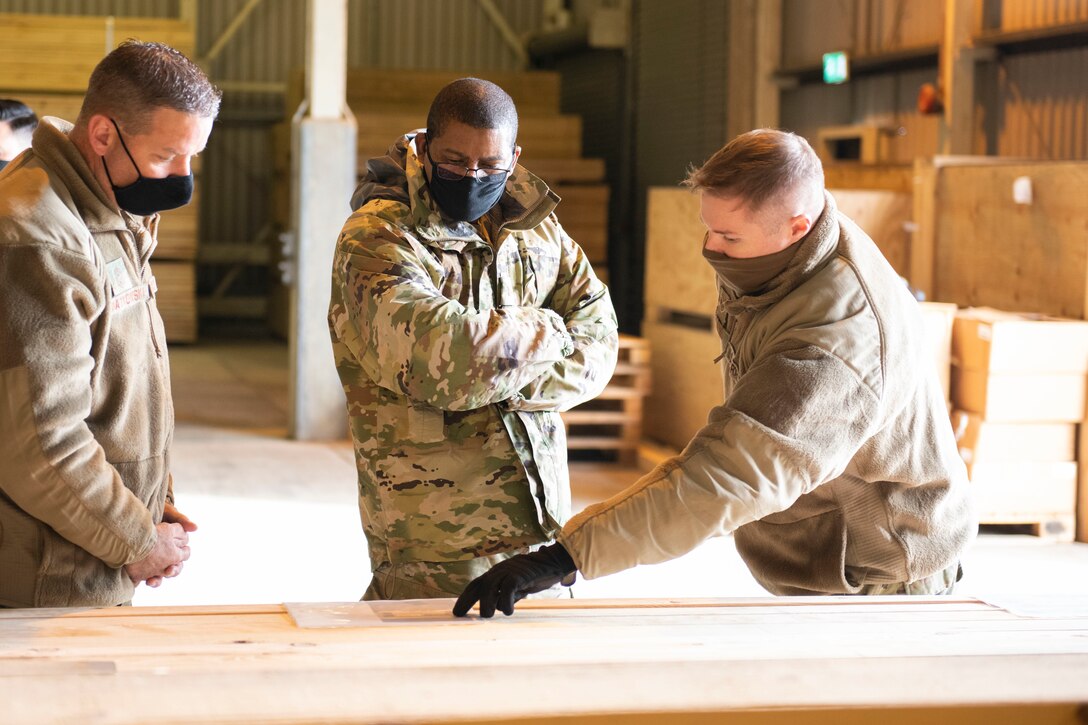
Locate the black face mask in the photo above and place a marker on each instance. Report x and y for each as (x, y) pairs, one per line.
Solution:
(144, 196)
(466, 199)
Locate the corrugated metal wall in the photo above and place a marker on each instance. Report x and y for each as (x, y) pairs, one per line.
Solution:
(1024, 14)
(681, 72)
(863, 27)
(1040, 106)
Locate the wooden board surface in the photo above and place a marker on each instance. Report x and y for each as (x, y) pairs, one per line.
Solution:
(884, 216)
(588, 660)
(50, 53)
(677, 275)
(687, 381)
(990, 251)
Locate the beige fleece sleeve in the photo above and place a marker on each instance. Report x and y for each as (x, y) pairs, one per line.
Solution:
(54, 469)
(792, 423)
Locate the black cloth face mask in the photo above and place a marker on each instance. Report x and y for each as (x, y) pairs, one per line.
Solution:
(145, 196)
(468, 198)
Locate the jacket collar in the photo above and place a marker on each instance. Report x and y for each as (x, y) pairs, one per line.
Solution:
(57, 153)
(817, 247)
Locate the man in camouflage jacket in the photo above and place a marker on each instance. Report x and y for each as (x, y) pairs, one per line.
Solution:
(460, 330)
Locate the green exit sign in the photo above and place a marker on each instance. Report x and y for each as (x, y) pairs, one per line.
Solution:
(836, 67)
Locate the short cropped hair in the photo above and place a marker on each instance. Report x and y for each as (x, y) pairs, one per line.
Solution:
(759, 166)
(136, 79)
(473, 102)
(17, 115)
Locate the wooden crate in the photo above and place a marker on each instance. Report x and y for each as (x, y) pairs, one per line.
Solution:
(976, 247)
(884, 216)
(382, 89)
(1021, 473)
(176, 299)
(687, 381)
(613, 420)
(56, 53)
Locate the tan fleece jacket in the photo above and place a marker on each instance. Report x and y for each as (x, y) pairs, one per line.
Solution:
(832, 460)
(85, 413)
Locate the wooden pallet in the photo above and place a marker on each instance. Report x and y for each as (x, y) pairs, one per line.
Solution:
(612, 422)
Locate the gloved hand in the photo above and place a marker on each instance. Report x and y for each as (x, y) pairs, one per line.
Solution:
(512, 579)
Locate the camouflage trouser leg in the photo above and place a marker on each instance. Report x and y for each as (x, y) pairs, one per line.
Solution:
(943, 582)
(438, 579)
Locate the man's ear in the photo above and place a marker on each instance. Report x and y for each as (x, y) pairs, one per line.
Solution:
(421, 143)
(99, 132)
(799, 227)
(517, 155)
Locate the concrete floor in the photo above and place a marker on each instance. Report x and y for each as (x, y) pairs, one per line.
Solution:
(279, 523)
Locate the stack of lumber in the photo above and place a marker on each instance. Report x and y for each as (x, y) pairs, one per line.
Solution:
(56, 53)
(613, 420)
(47, 60)
(389, 103)
(1018, 389)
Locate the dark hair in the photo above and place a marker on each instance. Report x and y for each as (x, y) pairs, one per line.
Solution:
(18, 116)
(473, 102)
(137, 78)
(759, 165)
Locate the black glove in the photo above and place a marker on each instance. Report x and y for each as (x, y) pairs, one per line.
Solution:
(511, 580)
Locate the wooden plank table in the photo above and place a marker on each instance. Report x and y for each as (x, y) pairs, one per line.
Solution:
(751, 661)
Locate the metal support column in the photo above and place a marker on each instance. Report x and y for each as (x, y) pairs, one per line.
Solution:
(323, 153)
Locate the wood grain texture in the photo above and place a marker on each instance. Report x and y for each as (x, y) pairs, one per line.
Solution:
(661, 659)
(990, 251)
(56, 53)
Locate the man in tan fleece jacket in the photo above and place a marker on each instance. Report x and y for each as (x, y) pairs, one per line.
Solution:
(86, 420)
(832, 460)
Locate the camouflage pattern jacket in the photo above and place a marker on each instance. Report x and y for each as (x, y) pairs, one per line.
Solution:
(457, 345)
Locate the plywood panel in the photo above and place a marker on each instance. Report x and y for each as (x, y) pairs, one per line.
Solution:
(660, 659)
(687, 381)
(989, 251)
(677, 275)
(884, 215)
